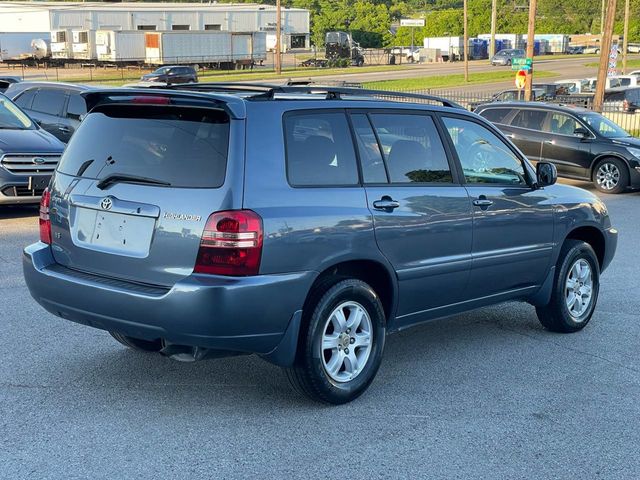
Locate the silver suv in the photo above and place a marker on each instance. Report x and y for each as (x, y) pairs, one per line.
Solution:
(303, 224)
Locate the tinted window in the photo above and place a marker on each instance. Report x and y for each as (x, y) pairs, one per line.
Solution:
(412, 148)
(484, 157)
(604, 126)
(26, 99)
(532, 119)
(76, 106)
(373, 170)
(185, 147)
(49, 101)
(495, 115)
(320, 150)
(11, 117)
(562, 124)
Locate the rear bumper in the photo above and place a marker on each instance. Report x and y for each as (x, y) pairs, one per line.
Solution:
(244, 314)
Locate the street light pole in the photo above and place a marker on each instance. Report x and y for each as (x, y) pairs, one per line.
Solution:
(278, 37)
(494, 15)
(625, 41)
(466, 43)
(605, 51)
(531, 41)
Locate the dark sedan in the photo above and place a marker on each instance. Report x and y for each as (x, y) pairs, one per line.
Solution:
(581, 143)
(172, 75)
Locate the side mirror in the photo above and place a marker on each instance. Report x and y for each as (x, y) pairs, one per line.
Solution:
(581, 132)
(546, 174)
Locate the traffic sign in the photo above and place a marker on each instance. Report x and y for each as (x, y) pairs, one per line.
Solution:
(521, 78)
(522, 64)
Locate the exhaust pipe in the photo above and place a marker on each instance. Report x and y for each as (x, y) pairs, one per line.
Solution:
(187, 354)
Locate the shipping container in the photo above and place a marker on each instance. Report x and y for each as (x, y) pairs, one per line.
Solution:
(120, 47)
(61, 44)
(18, 45)
(202, 48)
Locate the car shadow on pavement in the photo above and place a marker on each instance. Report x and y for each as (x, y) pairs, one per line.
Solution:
(18, 211)
(428, 356)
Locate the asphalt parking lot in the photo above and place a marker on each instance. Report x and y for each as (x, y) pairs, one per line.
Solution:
(488, 394)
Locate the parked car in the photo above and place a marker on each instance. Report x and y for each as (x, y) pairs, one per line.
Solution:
(6, 81)
(56, 107)
(28, 156)
(506, 56)
(582, 144)
(304, 224)
(623, 99)
(574, 86)
(172, 75)
(511, 95)
(617, 81)
(596, 49)
(575, 50)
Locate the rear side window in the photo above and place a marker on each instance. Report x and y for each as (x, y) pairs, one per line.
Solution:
(183, 147)
(76, 106)
(531, 119)
(495, 115)
(319, 150)
(412, 148)
(49, 101)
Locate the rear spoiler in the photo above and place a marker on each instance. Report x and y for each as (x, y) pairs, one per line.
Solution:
(233, 105)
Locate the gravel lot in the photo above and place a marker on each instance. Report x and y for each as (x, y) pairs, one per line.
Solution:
(488, 394)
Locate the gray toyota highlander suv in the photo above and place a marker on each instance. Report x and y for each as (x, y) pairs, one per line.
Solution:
(303, 224)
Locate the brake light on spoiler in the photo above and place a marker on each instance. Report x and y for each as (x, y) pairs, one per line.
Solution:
(231, 244)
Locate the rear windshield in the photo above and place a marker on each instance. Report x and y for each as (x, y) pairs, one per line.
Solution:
(180, 146)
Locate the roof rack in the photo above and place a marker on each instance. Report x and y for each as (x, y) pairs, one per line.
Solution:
(269, 92)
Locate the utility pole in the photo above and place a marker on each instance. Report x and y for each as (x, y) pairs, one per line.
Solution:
(278, 37)
(605, 51)
(625, 42)
(466, 43)
(531, 34)
(602, 12)
(494, 14)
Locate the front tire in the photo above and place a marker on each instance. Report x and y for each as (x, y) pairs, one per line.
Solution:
(575, 289)
(341, 343)
(137, 343)
(611, 175)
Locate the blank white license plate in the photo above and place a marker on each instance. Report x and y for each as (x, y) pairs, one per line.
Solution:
(115, 233)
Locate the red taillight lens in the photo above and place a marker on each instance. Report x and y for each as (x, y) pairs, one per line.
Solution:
(231, 244)
(625, 105)
(45, 222)
(152, 100)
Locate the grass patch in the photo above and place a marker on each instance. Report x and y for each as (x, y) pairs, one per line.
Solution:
(455, 80)
(120, 78)
(630, 63)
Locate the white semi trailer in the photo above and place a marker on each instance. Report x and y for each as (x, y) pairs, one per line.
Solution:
(120, 46)
(15, 46)
(214, 48)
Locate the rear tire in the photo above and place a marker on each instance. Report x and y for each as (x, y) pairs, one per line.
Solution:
(611, 175)
(341, 343)
(137, 343)
(575, 289)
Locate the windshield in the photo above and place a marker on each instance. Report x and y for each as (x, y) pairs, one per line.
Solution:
(604, 126)
(183, 147)
(11, 117)
(162, 70)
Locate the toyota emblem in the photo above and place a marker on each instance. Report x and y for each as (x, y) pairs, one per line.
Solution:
(106, 203)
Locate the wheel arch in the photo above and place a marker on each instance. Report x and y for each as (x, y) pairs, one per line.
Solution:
(591, 235)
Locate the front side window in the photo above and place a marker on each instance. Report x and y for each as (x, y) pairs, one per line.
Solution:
(484, 157)
(531, 119)
(412, 148)
(11, 117)
(320, 150)
(562, 124)
(604, 126)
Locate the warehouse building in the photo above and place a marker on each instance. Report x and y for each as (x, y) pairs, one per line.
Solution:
(50, 16)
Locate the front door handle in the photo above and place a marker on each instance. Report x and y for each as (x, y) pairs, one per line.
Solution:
(64, 129)
(549, 142)
(483, 202)
(386, 203)
(509, 135)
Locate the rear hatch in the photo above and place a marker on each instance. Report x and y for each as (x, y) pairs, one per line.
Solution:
(136, 185)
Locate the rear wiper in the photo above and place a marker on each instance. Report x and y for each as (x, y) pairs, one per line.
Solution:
(122, 178)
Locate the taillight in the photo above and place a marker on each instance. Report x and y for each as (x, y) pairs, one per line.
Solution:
(231, 244)
(625, 105)
(45, 222)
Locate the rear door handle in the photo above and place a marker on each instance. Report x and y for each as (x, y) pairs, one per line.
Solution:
(483, 202)
(64, 129)
(549, 142)
(509, 135)
(386, 203)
